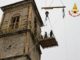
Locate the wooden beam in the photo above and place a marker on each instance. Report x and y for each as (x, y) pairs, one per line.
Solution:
(53, 7)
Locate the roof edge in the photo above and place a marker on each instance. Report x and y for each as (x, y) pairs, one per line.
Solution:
(10, 5)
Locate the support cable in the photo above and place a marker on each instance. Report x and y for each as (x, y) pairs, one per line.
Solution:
(51, 2)
(62, 2)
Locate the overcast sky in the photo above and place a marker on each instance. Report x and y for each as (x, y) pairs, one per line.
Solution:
(66, 31)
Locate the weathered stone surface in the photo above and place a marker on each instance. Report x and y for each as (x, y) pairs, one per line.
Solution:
(18, 58)
(12, 45)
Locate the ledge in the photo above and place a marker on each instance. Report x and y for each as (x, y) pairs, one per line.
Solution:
(24, 55)
(13, 33)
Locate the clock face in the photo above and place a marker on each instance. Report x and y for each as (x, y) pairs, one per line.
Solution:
(12, 46)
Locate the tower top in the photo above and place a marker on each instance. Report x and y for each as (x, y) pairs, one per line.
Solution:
(17, 4)
(4, 8)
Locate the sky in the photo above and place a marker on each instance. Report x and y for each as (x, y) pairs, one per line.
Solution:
(66, 31)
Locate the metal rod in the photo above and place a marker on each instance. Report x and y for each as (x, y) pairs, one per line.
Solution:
(53, 7)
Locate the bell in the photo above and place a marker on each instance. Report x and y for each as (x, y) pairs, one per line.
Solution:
(45, 35)
(51, 33)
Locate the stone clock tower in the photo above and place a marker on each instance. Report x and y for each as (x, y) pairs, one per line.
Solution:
(20, 32)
